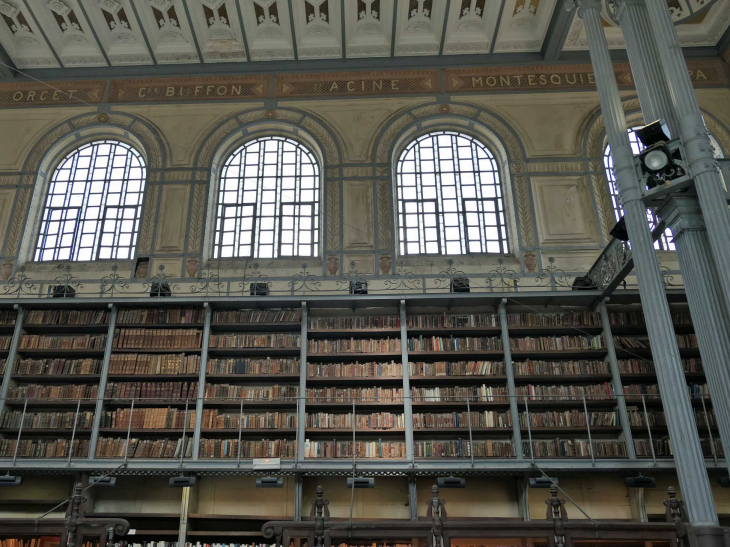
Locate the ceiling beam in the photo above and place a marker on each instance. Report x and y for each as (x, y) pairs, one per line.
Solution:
(8, 70)
(144, 34)
(293, 31)
(557, 32)
(723, 45)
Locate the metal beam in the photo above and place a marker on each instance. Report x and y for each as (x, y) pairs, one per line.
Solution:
(557, 32)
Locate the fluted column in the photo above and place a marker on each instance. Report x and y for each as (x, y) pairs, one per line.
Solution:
(670, 375)
(695, 139)
(683, 215)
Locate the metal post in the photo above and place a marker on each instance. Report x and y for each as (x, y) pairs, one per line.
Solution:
(511, 390)
(696, 141)
(185, 423)
(709, 429)
(588, 428)
(302, 407)
(683, 216)
(413, 497)
(691, 470)
(648, 428)
(618, 387)
(471, 436)
(529, 430)
(20, 431)
(10, 363)
(202, 374)
(73, 432)
(99, 408)
(405, 368)
(298, 497)
(240, 428)
(129, 431)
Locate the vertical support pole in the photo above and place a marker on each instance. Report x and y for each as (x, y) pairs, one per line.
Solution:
(184, 431)
(511, 390)
(413, 497)
(648, 429)
(200, 400)
(618, 387)
(405, 366)
(20, 431)
(298, 497)
(302, 406)
(588, 428)
(184, 512)
(73, 432)
(99, 409)
(471, 436)
(10, 364)
(691, 469)
(240, 430)
(529, 431)
(129, 431)
(709, 429)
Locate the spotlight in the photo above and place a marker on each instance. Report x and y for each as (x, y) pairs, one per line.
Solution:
(654, 133)
(270, 482)
(619, 231)
(103, 481)
(724, 482)
(183, 481)
(657, 161)
(10, 480)
(640, 482)
(543, 482)
(450, 482)
(360, 482)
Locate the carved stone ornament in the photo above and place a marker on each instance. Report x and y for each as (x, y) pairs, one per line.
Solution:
(270, 114)
(386, 263)
(333, 264)
(530, 261)
(142, 269)
(191, 267)
(444, 109)
(6, 270)
(103, 117)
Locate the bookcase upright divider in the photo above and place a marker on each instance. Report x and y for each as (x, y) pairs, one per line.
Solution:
(99, 407)
(301, 400)
(201, 380)
(405, 368)
(10, 364)
(510, 372)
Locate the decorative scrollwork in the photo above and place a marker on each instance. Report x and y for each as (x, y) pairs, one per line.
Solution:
(208, 282)
(502, 278)
(113, 283)
(403, 279)
(350, 278)
(161, 282)
(304, 281)
(554, 275)
(447, 276)
(667, 276)
(253, 278)
(66, 284)
(19, 284)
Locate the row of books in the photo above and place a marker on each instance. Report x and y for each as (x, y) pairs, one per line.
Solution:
(458, 368)
(455, 343)
(458, 393)
(145, 364)
(47, 420)
(37, 341)
(573, 319)
(636, 318)
(257, 316)
(575, 448)
(663, 447)
(255, 393)
(353, 345)
(161, 316)
(560, 368)
(108, 447)
(348, 394)
(635, 390)
(232, 448)
(45, 541)
(253, 366)
(489, 418)
(538, 392)
(151, 390)
(214, 419)
(43, 448)
(657, 418)
(361, 449)
(8, 317)
(65, 367)
(355, 322)
(453, 321)
(463, 448)
(65, 391)
(277, 341)
(158, 338)
(148, 418)
(67, 317)
(355, 370)
(684, 341)
(642, 366)
(568, 418)
(5, 342)
(556, 343)
(380, 420)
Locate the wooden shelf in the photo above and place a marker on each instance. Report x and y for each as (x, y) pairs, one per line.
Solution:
(247, 404)
(441, 355)
(493, 379)
(436, 431)
(144, 431)
(355, 380)
(454, 331)
(249, 431)
(255, 327)
(65, 329)
(198, 533)
(253, 352)
(142, 403)
(358, 431)
(358, 405)
(136, 515)
(159, 325)
(539, 330)
(52, 402)
(56, 378)
(460, 404)
(562, 378)
(577, 353)
(247, 378)
(153, 377)
(362, 357)
(46, 431)
(59, 352)
(171, 351)
(353, 333)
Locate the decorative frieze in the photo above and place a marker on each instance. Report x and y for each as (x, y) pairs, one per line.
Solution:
(356, 83)
(189, 89)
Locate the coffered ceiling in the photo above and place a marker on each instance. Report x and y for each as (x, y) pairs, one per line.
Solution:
(38, 35)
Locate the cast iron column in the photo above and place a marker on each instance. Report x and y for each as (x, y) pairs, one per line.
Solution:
(696, 140)
(683, 215)
(670, 375)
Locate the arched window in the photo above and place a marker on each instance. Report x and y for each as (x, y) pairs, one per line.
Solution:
(450, 197)
(94, 204)
(664, 242)
(268, 202)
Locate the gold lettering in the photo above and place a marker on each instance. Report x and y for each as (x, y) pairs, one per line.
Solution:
(31, 96)
(43, 96)
(378, 84)
(208, 89)
(235, 89)
(504, 81)
(394, 85)
(362, 84)
(197, 89)
(142, 92)
(491, 81)
(543, 79)
(701, 75)
(170, 92)
(477, 82)
(519, 79)
(18, 96)
(555, 79)
(531, 79)
(350, 86)
(71, 93)
(221, 90)
(574, 79)
(591, 78)
(334, 87)
(55, 95)
(581, 78)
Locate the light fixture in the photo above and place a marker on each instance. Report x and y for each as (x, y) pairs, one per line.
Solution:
(269, 482)
(360, 482)
(619, 230)
(640, 482)
(654, 133)
(102, 481)
(183, 481)
(543, 482)
(657, 160)
(10, 480)
(450, 482)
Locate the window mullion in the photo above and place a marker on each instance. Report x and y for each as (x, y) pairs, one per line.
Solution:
(439, 196)
(85, 202)
(464, 237)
